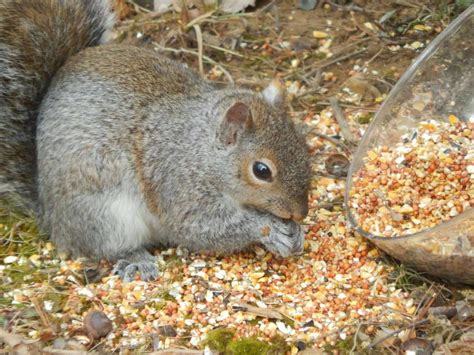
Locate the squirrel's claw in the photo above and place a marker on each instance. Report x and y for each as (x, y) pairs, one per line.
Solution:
(287, 243)
(127, 270)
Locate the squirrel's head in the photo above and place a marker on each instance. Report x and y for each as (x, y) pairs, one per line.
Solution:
(273, 169)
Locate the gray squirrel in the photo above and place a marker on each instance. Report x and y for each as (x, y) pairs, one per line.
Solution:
(118, 150)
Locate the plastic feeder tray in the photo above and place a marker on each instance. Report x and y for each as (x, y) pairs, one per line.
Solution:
(439, 83)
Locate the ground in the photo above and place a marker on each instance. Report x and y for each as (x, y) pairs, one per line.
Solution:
(342, 295)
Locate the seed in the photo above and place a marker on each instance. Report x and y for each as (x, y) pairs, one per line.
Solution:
(420, 184)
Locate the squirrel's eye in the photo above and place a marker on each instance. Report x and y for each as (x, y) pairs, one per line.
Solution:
(262, 171)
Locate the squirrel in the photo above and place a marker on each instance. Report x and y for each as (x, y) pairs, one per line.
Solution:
(118, 150)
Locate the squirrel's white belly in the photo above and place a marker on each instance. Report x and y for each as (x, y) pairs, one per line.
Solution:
(135, 227)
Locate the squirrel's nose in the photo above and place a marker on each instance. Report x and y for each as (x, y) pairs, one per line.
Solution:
(300, 212)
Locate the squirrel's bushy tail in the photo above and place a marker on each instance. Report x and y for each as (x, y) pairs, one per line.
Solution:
(36, 38)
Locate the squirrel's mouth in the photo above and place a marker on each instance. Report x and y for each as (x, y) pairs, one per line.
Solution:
(296, 211)
(297, 214)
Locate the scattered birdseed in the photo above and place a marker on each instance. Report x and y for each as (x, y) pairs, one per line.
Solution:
(425, 179)
(317, 298)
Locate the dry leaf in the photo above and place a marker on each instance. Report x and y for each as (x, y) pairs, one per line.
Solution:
(234, 6)
(121, 9)
(162, 5)
(19, 345)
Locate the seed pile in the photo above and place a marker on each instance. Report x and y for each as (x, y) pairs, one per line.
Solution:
(425, 179)
(318, 298)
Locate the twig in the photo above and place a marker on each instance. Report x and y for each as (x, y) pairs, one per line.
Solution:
(330, 176)
(333, 140)
(354, 340)
(266, 8)
(407, 4)
(391, 334)
(347, 7)
(188, 51)
(314, 83)
(138, 7)
(155, 14)
(262, 312)
(225, 50)
(307, 92)
(250, 83)
(328, 206)
(341, 120)
(374, 56)
(333, 61)
(428, 305)
(197, 29)
(369, 109)
(198, 19)
(41, 314)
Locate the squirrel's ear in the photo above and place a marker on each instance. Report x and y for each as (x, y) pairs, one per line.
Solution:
(275, 93)
(237, 119)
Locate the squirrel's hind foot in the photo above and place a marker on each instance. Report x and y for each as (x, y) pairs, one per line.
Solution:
(138, 262)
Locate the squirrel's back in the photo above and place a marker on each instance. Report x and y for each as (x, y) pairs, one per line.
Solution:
(36, 39)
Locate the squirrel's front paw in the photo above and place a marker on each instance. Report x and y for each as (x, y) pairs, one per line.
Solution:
(127, 270)
(283, 238)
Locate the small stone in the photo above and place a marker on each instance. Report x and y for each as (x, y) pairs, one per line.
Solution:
(464, 311)
(10, 259)
(97, 324)
(167, 331)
